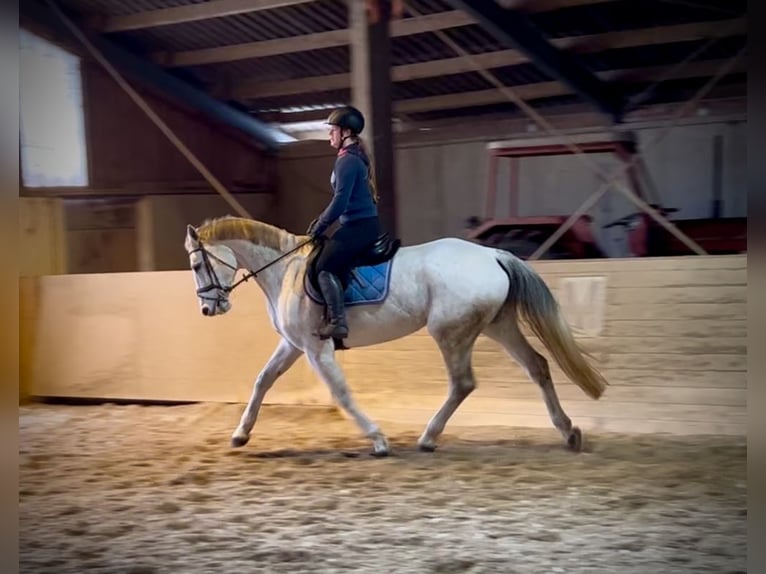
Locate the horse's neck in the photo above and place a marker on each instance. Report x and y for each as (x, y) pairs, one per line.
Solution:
(252, 257)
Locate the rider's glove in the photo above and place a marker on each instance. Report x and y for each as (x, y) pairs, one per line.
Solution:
(315, 229)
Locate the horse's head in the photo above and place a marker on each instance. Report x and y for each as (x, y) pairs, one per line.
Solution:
(214, 267)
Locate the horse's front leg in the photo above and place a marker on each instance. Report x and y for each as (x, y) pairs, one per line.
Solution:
(324, 364)
(280, 361)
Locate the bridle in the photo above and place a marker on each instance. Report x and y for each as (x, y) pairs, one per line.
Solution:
(222, 291)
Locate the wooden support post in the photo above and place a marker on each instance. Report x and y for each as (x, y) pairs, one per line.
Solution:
(371, 93)
(360, 69)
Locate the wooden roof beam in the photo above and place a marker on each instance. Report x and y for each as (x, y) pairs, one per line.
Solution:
(254, 88)
(517, 30)
(191, 13)
(320, 40)
(222, 8)
(551, 89)
(528, 91)
(306, 42)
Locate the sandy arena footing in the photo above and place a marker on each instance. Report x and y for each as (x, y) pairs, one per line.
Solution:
(151, 490)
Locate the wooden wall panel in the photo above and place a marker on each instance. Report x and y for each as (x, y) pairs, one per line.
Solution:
(101, 235)
(676, 362)
(42, 237)
(125, 148)
(168, 216)
(141, 336)
(304, 184)
(102, 250)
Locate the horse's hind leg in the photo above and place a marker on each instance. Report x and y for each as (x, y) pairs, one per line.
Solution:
(506, 332)
(456, 345)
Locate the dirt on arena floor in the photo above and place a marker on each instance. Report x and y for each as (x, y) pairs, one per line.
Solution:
(140, 490)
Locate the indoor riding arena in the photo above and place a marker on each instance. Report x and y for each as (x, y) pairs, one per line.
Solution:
(595, 149)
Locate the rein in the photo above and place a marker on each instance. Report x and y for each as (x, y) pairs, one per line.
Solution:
(216, 284)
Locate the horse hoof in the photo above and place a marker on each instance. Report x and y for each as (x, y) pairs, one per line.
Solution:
(427, 447)
(239, 441)
(575, 439)
(379, 453)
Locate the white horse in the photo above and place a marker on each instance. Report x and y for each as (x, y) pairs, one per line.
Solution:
(455, 288)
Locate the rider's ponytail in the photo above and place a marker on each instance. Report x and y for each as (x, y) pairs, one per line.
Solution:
(370, 171)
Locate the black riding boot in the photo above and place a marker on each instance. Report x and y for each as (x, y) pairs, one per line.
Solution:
(332, 291)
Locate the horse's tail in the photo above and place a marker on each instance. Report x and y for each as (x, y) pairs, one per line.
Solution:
(531, 297)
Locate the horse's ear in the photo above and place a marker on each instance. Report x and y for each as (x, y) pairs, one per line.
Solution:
(191, 232)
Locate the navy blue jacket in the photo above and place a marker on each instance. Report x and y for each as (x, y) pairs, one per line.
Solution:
(352, 196)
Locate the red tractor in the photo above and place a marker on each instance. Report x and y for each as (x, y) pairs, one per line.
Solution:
(717, 236)
(524, 235)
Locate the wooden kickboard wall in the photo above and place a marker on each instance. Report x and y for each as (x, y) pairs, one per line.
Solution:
(669, 334)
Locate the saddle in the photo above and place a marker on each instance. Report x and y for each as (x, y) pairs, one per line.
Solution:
(382, 250)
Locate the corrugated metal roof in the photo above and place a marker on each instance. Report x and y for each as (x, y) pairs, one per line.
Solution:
(660, 55)
(426, 7)
(288, 66)
(317, 16)
(631, 15)
(328, 97)
(125, 7)
(679, 89)
(506, 108)
(324, 15)
(440, 85)
(520, 74)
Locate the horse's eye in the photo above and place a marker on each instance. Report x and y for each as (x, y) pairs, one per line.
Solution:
(196, 267)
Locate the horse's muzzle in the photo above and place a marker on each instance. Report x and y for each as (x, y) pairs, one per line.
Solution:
(218, 307)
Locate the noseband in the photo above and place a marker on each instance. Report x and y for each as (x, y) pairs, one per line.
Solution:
(222, 291)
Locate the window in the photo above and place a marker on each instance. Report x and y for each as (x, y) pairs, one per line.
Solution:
(52, 122)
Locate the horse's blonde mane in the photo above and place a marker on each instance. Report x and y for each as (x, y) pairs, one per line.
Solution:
(229, 227)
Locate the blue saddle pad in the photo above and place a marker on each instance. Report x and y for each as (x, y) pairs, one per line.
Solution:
(366, 285)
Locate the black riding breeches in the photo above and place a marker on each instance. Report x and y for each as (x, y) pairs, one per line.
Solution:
(349, 242)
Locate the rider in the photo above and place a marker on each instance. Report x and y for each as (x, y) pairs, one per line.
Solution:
(354, 204)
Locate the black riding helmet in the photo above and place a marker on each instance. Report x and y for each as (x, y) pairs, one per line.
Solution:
(347, 118)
